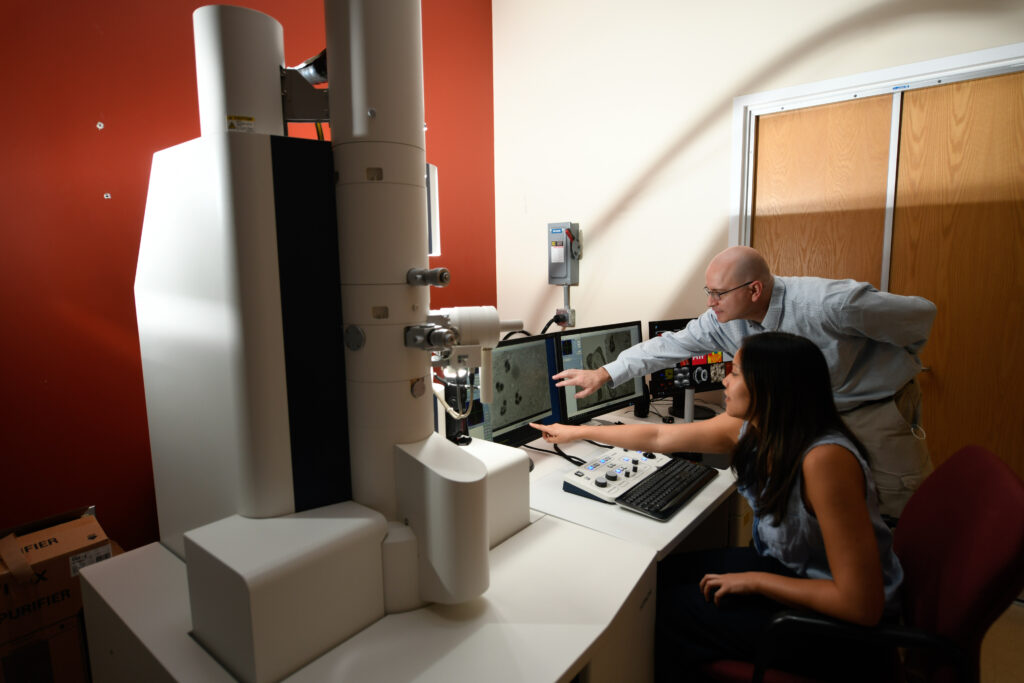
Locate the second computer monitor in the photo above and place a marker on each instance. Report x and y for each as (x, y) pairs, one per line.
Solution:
(663, 381)
(589, 348)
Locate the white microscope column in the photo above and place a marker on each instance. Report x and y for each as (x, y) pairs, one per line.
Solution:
(400, 466)
(376, 101)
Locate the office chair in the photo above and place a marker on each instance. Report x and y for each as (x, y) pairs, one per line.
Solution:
(961, 543)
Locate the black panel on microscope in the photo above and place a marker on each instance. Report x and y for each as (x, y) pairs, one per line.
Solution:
(307, 244)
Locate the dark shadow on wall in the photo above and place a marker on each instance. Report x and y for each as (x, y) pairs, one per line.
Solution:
(857, 23)
(675, 303)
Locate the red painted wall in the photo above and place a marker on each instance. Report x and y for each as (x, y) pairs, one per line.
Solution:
(73, 418)
(459, 92)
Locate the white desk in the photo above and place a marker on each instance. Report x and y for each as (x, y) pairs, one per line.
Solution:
(574, 590)
(561, 598)
(547, 496)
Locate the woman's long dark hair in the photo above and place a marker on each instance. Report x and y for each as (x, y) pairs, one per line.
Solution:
(790, 406)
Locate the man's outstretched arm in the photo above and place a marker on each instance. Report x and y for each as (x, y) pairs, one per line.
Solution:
(589, 380)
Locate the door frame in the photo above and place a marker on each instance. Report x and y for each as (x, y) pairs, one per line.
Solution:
(894, 81)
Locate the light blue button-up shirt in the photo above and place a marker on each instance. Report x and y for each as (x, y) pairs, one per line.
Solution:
(870, 339)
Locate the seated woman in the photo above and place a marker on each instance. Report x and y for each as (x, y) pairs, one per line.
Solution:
(819, 541)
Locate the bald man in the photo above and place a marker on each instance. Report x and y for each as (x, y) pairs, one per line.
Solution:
(871, 340)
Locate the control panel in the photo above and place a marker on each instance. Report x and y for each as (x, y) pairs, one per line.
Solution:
(607, 477)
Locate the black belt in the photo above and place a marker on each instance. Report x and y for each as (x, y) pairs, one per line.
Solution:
(875, 401)
(865, 404)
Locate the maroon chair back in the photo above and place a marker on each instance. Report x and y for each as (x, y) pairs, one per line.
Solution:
(960, 540)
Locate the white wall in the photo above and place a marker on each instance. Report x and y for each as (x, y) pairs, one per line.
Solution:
(617, 114)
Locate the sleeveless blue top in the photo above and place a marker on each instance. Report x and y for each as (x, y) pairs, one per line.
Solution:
(797, 542)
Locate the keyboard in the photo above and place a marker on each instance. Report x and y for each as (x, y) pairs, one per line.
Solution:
(667, 489)
(649, 483)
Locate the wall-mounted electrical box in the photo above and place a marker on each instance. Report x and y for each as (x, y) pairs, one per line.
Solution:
(564, 251)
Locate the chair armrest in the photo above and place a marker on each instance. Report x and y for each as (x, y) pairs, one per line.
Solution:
(789, 624)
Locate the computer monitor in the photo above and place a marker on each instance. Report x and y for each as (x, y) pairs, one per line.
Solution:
(589, 348)
(662, 383)
(522, 393)
(701, 373)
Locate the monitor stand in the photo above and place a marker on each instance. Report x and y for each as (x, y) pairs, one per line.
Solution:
(683, 406)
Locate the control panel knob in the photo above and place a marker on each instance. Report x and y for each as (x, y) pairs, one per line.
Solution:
(600, 482)
(611, 476)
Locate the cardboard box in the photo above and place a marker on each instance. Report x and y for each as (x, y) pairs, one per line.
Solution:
(54, 654)
(39, 574)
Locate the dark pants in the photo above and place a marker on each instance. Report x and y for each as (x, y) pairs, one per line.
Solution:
(690, 630)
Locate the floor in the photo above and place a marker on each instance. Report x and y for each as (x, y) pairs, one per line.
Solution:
(1002, 651)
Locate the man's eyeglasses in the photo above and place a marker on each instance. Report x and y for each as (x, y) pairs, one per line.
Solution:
(715, 296)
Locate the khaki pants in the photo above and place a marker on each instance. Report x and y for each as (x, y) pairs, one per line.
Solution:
(897, 451)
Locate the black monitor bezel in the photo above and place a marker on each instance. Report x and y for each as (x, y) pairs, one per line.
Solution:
(609, 406)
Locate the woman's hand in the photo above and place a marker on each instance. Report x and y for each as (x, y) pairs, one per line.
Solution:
(557, 433)
(714, 586)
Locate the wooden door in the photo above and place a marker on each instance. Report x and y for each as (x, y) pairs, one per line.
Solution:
(820, 190)
(958, 234)
(958, 239)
